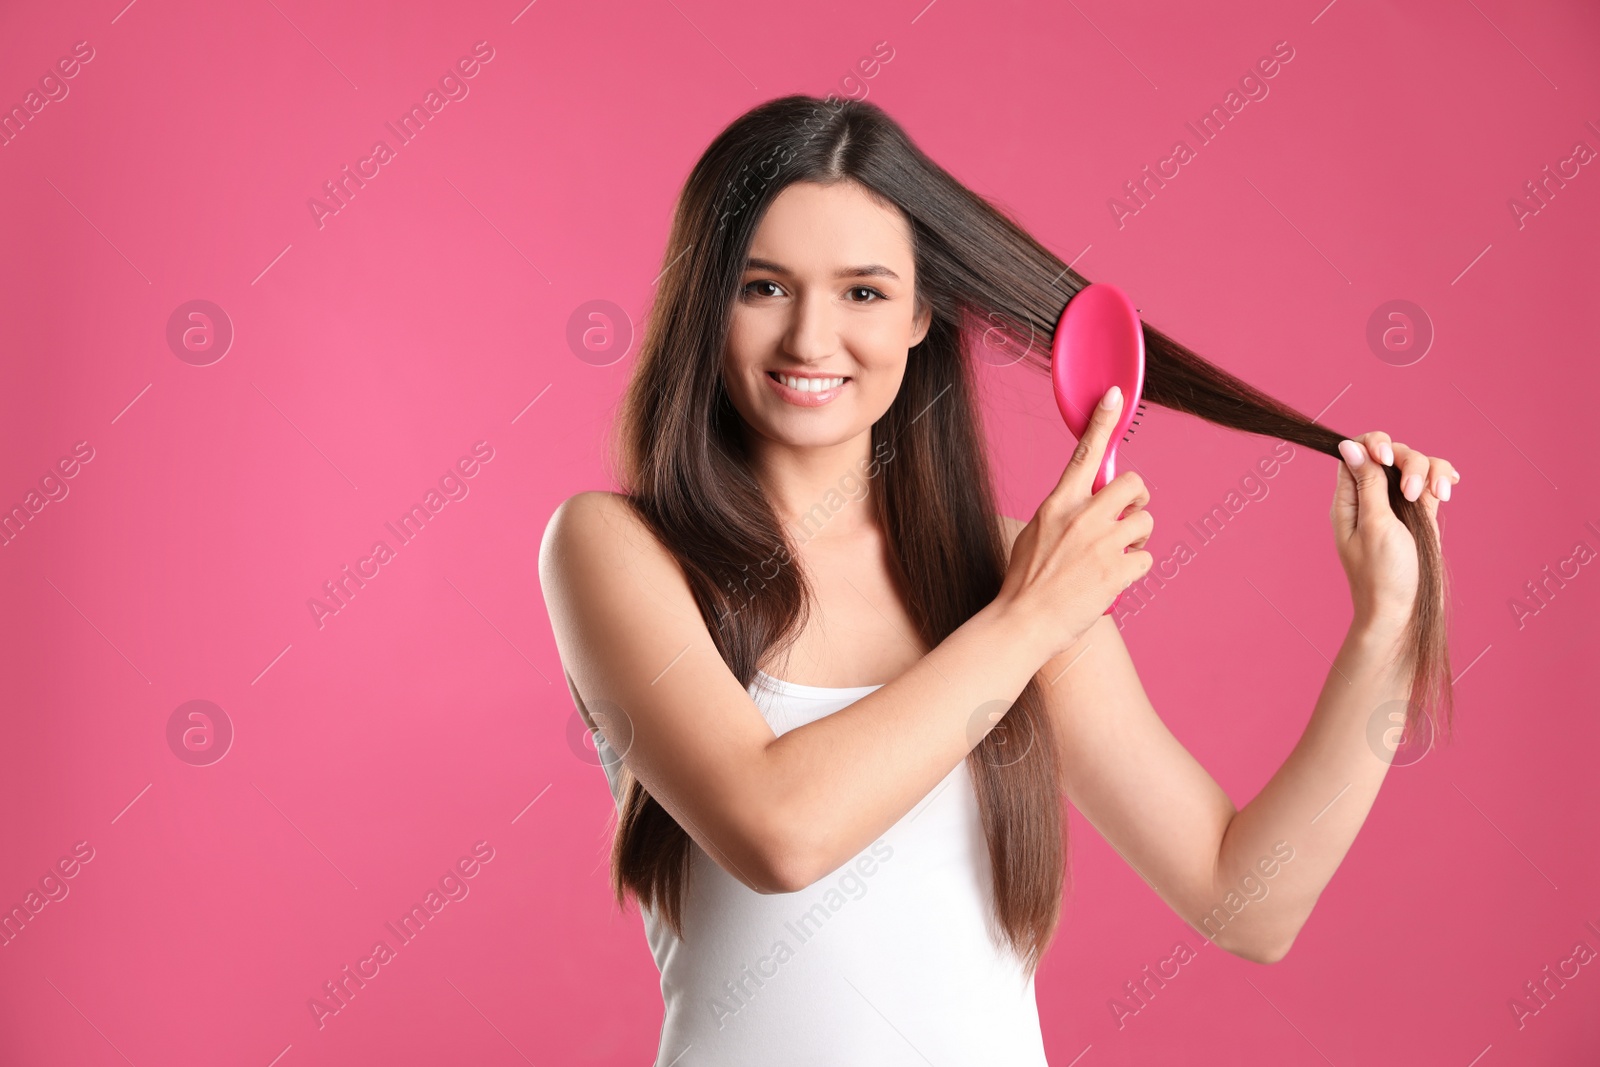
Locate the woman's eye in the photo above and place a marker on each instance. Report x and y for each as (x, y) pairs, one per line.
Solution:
(867, 289)
(761, 281)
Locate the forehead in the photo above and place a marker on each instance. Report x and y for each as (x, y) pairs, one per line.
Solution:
(818, 228)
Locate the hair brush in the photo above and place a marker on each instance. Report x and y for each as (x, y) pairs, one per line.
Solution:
(1099, 343)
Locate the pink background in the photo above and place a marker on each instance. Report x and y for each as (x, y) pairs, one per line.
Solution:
(373, 751)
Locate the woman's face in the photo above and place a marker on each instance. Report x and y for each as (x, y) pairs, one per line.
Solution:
(828, 292)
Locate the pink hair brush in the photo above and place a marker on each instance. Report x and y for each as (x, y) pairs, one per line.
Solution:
(1099, 343)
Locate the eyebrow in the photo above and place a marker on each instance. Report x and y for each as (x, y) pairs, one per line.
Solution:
(868, 270)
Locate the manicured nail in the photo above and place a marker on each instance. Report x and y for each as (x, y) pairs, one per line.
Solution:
(1113, 398)
(1441, 488)
(1388, 455)
(1353, 454)
(1411, 486)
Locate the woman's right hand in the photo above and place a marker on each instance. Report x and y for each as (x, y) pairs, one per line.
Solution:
(1082, 548)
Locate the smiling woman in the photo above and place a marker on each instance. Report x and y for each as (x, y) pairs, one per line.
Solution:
(922, 671)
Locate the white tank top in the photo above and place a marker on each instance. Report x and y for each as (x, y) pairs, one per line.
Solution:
(887, 960)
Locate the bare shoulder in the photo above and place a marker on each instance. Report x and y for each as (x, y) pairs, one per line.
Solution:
(603, 571)
(594, 523)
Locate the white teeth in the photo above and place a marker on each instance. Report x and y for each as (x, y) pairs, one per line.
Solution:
(810, 385)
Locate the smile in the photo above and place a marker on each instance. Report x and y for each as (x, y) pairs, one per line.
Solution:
(806, 391)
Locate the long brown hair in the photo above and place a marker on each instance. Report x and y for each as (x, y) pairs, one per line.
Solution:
(683, 467)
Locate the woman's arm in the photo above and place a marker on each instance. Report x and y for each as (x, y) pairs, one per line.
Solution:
(779, 812)
(1247, 879)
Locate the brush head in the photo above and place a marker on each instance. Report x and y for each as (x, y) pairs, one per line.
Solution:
(1098, 343)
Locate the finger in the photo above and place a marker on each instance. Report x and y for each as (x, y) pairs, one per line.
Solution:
(1085, 462)
(1441, 476)
(1379, 446)
(1413, 467)
(1344, 511)
(1141, 524)
(1372, 484)
(1122, 494)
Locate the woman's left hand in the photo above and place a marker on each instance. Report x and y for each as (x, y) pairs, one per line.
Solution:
(1378, 553)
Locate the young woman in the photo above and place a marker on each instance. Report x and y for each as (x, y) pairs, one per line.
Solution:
(838, 699)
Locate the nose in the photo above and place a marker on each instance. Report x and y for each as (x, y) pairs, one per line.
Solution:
(812, 335)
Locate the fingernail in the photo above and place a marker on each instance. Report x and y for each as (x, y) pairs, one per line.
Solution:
(1441, 488)
(1388, 455)
(1353, 454)
(1411, 486)
(1113, 398)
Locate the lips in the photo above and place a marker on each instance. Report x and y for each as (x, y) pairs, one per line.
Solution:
(806, 398)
